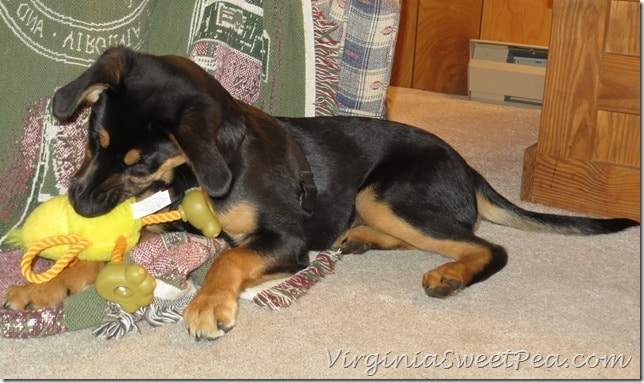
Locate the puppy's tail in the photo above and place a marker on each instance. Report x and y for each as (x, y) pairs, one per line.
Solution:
(495, 208)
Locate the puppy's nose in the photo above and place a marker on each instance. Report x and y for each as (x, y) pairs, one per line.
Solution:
(89, 203)
(87, 211)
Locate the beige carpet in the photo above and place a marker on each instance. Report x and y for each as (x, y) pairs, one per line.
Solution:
(564, 307)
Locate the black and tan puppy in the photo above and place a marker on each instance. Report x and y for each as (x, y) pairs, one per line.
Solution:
(162, 122)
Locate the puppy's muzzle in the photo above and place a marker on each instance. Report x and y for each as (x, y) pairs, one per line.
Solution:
(90, 201)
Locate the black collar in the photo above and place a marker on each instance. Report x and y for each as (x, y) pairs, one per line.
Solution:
(307, 185)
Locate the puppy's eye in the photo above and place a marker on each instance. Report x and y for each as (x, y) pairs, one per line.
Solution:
(132, 157)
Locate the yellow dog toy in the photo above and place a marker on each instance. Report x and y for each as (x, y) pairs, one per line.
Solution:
(55, 231)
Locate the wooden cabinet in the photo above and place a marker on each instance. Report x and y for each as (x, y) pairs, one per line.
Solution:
(517, 21)
(587, 157)
(432, 50)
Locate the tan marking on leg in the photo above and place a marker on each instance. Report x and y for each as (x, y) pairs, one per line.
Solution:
(361, 238)
(450, 278)
(470, 257)
(379, 216)
(213, 310)
(40, 295)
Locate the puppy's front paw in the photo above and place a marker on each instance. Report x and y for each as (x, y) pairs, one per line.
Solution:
(48, 294)
(210, 316)
(34, 296)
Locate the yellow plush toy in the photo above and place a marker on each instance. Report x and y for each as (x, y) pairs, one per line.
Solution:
(55, 231)
(56, 217)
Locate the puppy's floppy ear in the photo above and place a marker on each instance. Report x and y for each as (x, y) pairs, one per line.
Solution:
(198, 137)
(106, 72)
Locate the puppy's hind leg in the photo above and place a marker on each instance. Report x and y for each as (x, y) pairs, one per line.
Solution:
(474, 258)
(362, 238)
(475, 261)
